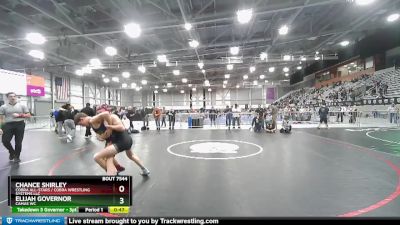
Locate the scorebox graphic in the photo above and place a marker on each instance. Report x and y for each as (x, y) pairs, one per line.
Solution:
(70, 194)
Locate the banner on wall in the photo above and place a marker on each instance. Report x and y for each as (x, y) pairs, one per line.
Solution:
(271, 94)
(11, 81)
(35, 86)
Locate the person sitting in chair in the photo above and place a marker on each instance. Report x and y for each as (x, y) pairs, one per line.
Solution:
(257, 123)
(286, 126)
(269, 124)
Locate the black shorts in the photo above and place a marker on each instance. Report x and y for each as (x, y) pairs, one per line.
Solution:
(323, 120)
(122, 141)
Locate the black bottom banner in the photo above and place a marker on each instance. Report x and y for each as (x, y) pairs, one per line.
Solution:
(211, 221)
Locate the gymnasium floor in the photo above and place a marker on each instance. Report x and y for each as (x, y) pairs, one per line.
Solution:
(317, 173)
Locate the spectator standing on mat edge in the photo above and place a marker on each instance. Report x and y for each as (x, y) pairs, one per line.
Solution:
(13, 115)
(90, 112)
(323, 115)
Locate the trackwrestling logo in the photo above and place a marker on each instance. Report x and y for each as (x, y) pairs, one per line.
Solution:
(33, 220)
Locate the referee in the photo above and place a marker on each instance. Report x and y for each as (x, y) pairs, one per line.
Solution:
(12, 123)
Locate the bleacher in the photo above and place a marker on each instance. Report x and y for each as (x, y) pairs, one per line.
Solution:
(389, 77)
(362, 89)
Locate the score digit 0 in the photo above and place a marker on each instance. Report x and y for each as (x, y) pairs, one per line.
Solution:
(121, 188)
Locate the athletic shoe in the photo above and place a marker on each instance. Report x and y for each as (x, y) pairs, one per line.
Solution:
(69, 138)
(11, 157)
(87, 137)
(120, 168)
(17, 159)
(145, 172)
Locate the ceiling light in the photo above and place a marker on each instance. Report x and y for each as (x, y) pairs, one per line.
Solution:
(111, 51)
(224, 86)
(303, 58)
(229, 67)
(194, 89)
(255, 82)
(95, 63)
(164, 90)
(266, 81)
(262, 76)
(287, 57)
(133, 85)
(144, 82)
(285, 69)
(35, 38)
(244, 15)
(237, 86)
(156, 87)
(162, 58)
(193, 43)
(103, 75)
(271, 69)
(245, 77)
(203, 71)
(189, 85)
(176, 72)
(155, 92)
(344, 43)
(137, 88)
(227, 76)
(169, 84)
(184, 80)
(225, 82)
(317, 52)
(286, 74)
(115, 79)
(124, 85)
(252, 69)
(263, 56)
(209, 90)
(106, 80)
(182, 92)
(142, 69)
(87, 69)
(364, 2)
(393, 17)
(188, 26)
(283, 30)
(200, 65)
(126, 74)
(36, 54)
(207, 83)
(79, 72)
(133, 30)
(299, 68)
(234, 50)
